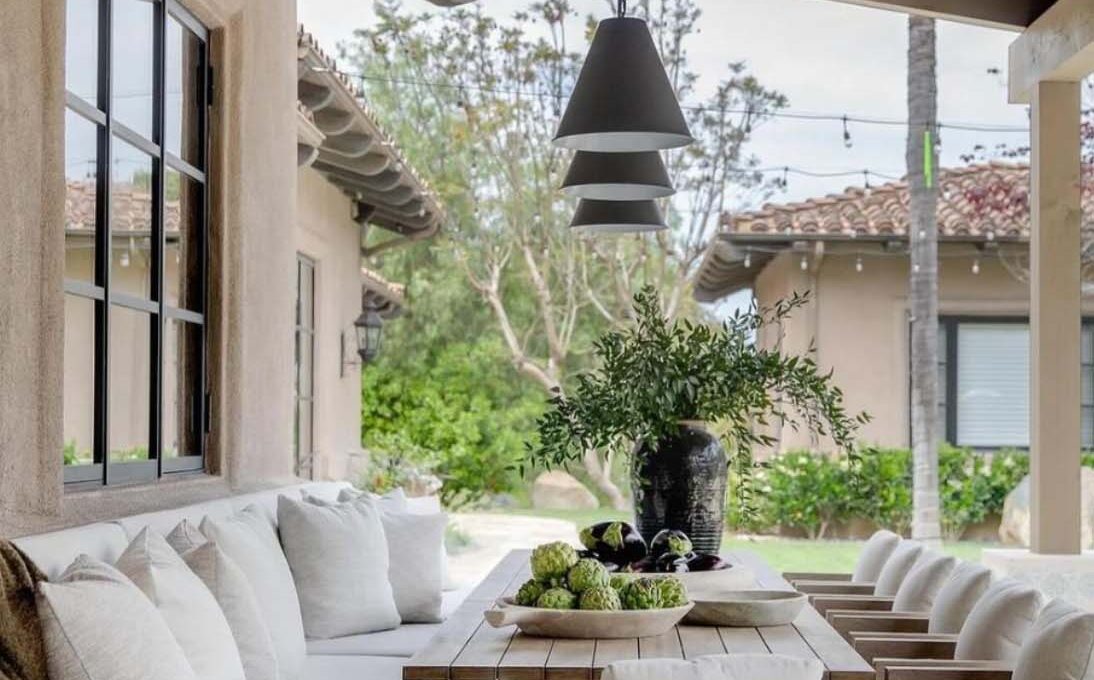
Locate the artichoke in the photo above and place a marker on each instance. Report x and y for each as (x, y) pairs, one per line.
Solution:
(529, 593)
(642, 593)
(673, 592)
(586, 574)
(618, 582)
(552, 561)
(557, 598)
(670, 541)
(600, 598)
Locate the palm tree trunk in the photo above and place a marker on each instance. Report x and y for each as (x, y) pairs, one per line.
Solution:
(922, 158)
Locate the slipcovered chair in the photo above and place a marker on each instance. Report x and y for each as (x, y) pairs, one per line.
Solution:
(896, 566)
(874, 554)
(1059, 646)
(959, 594)
(915, 590)
(993, 634)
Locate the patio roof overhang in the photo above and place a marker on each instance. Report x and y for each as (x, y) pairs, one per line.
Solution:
(387, 298)
(338, 135)
(1013, 15)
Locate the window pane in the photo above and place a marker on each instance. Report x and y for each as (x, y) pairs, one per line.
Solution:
(184, 221)
(1087, 435)
(1087, 346)
(79, 380)
(82, 48)
(185, 85)
(130, 335)
(131, 220)
(81, 149)
(304, 443)
(993, 385)
(131, 44)
(182, 389)
(1087, 396)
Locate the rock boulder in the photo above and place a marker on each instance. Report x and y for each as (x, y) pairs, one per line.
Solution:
(1014, 526)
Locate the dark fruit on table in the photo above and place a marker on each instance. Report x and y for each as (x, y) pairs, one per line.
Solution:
(704, 562)
(645, 565)
(615, 542)
(670, 541)
(672, 563)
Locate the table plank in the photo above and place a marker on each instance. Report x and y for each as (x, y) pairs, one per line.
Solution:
(700, 641)
(841, 659)
(608, 651)
(786, 640)
(525, 659)
(665, 646)
(571, 660)
(743, 641)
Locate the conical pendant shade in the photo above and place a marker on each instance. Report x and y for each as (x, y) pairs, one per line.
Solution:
(623, 100)
(617, 217)
(631, 176)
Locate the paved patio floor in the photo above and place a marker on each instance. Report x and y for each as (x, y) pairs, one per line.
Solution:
(494, 535)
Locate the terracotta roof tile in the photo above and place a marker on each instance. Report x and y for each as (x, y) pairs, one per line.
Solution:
(131, 209)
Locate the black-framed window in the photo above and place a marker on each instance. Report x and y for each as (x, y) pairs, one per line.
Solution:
(136, 230)
(304, 386)
(984, 367)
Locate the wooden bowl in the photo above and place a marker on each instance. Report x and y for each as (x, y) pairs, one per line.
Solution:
(576, 623)
(747, 608)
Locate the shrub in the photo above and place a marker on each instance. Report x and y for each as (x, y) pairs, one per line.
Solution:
(883, 487)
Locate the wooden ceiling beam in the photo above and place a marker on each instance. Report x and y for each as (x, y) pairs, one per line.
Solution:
(1012, 15)
(1058, 47)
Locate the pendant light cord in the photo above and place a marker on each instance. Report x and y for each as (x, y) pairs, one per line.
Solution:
(622, 8)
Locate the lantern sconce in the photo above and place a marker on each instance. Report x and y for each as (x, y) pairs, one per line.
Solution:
(368, 333)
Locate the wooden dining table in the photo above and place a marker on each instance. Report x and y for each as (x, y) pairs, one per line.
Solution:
(468, 648)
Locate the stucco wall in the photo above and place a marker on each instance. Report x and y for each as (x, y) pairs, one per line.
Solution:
(326, 234)
(858, 321)
(253, 245)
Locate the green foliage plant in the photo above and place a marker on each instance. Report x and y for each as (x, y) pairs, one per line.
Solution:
(656, 373)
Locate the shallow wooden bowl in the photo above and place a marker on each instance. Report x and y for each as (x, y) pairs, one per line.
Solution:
(747, 608)
(575, 623)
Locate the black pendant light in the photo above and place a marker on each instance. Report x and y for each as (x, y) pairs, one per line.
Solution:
(623, 100)
(617, 217)
(633, 176)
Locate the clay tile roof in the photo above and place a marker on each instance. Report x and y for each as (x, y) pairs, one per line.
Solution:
(979, 202)
(131, 209)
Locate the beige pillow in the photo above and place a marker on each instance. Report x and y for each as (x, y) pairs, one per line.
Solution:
(921, 585)
(874, 555)
(98, 626)
(417, 576)
(959, 594)
(999, 622)
(187, 606)
(896, 568)
(236, 598)
(1060, 645)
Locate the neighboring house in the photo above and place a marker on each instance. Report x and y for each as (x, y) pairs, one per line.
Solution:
(849, 251)
(190, 195)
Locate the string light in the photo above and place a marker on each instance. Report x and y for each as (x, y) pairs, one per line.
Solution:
(804, 263)
(858, 264)
(976, 266)
(748, 259)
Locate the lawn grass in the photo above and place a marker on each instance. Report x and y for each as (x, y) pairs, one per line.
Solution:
(784, 554)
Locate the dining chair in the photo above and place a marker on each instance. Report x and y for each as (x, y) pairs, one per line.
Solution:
(870, 561)
(994, 631)
(896, 566)
(963, 588)
(1058, 646)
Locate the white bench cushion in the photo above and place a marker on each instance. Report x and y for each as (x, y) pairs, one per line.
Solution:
(353, 668)
(53, 552)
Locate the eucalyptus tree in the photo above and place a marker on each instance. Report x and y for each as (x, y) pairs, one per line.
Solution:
(476, 101)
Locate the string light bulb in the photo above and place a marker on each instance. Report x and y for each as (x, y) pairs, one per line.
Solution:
(804, 263)
(748, 260)
(858, 264)
(915, 268)
(976, 266)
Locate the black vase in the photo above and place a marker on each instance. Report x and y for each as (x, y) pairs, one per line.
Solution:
(681, 484)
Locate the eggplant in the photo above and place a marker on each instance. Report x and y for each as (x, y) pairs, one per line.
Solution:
(672, 563)
(587, 554)
(643, 566)
(705, 562)
(615, 542)
(670, 541)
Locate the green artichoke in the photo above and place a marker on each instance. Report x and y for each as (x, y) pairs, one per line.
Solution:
(587, 573)
(600, 598)
(553, 561)
(642, 593)
(673, 592)
(557, 598)
(618, 581)
(530, 592)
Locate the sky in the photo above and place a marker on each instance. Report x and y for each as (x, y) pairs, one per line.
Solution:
(826, 57)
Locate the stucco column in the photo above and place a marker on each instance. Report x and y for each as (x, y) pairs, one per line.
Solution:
(1055, 320)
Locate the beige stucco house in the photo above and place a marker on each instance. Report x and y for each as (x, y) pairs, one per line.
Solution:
(191, 195)
(849, 252)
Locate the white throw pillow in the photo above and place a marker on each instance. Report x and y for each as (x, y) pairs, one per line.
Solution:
(1060, 646)
(339, 559)
(896, 568)
(921, 585)
(187, 606)
(97, 625)
(958, 596)
(999, 623)
(234, 595)
(874, 555)
(417, 574)
(248, 538)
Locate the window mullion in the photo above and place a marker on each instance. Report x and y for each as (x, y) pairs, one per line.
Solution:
(158, 239)
(103, 243)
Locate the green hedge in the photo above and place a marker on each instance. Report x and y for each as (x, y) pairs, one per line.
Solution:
(811, 492)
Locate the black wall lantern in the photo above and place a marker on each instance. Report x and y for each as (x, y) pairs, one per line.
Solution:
(370, 331)
(617, 217)
(633, 176)
(623, 100)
